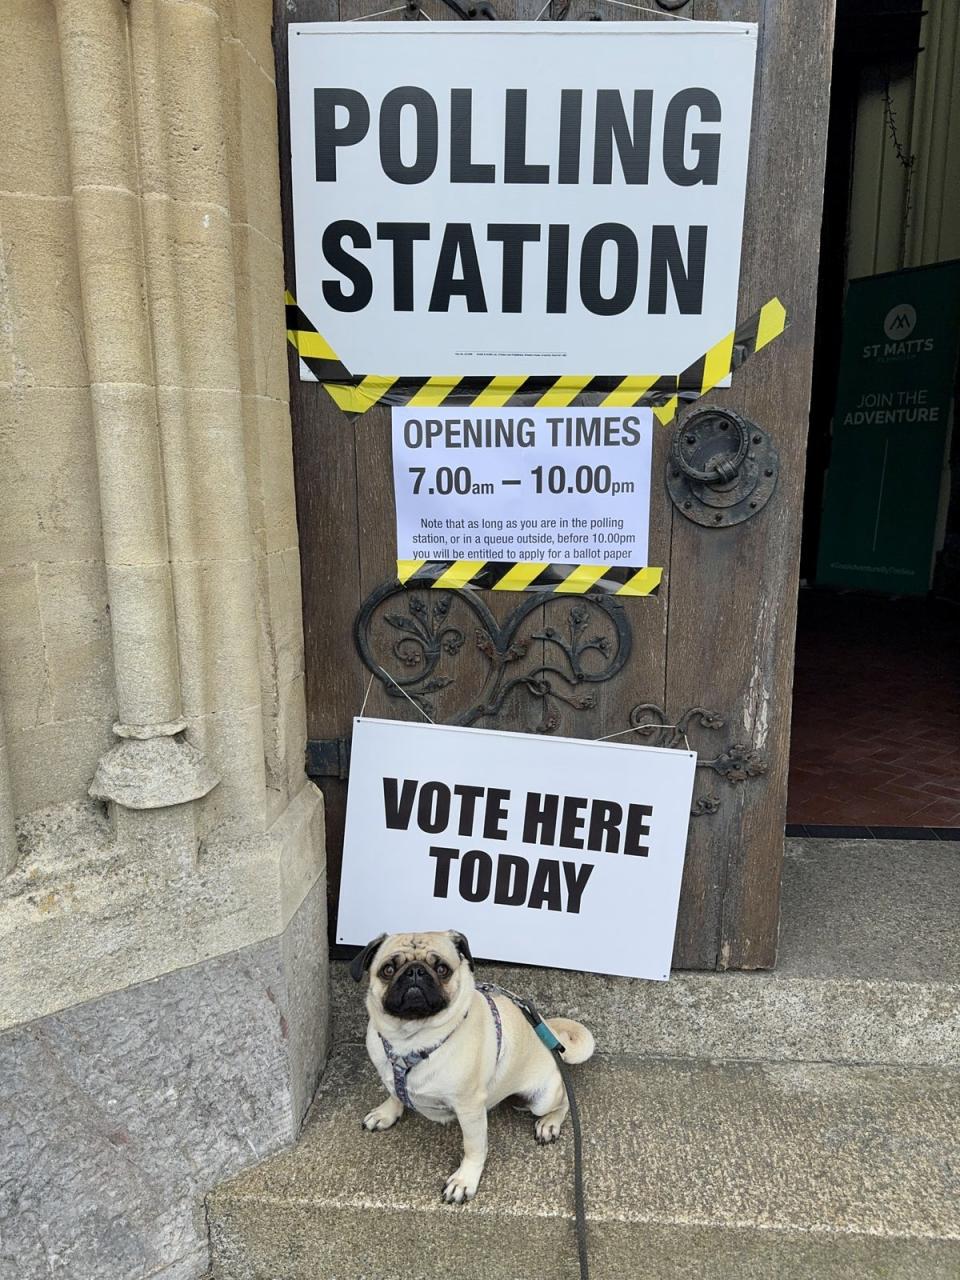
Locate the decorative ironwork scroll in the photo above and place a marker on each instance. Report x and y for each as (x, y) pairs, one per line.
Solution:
(549, 649)
(735, 765)
(402, 635)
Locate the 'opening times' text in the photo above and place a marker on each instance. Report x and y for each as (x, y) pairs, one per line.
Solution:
(530, 486)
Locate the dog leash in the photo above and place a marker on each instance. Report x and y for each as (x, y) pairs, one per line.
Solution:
(530, 1012)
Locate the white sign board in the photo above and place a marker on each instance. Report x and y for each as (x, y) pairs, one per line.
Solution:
(519, 198)
(548, 851)
(551, 485)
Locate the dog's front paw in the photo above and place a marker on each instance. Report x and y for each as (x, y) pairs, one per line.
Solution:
(547, 1129)
(383, 1117)
(461, 1186)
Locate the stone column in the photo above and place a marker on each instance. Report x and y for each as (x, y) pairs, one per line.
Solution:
(8, 834)
(163, 976)
(152, 766)
(191, 270)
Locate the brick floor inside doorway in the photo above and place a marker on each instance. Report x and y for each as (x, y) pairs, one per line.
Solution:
(876, 713)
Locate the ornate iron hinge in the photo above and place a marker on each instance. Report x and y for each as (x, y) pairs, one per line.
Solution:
(328, 758)
(737, 764)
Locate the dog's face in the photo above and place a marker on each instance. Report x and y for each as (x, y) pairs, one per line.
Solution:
(415, 975)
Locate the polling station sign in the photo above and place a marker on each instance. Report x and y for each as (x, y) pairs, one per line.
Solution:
(548, 851)
(517, 199)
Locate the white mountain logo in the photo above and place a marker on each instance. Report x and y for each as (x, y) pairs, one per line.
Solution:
(900, 321)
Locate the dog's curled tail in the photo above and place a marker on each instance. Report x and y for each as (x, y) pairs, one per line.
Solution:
(577, 1041)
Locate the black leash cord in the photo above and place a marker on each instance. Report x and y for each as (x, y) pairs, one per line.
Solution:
(529, 1011)
(581, 1215)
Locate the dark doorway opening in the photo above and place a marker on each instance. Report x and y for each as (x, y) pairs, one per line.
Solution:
(875, 746)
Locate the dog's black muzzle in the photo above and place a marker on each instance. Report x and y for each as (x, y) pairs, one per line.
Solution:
(414, 993)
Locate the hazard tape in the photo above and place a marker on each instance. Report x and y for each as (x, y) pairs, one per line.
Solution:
(315, 352)
(499, 575)
(664, 393)
(355, 394)
(727, 355)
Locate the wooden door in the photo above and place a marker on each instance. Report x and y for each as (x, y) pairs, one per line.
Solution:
(712, 652)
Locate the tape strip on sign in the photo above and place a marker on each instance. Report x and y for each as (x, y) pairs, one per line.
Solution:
(315, 352)
(498, 575)
(727, 355)
(355, 394)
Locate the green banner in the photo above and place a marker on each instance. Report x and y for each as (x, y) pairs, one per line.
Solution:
(894, 396)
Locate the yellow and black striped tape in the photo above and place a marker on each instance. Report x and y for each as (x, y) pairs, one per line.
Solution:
(315, 352)
(727, 355)
(355, 394)
(499, 575)
(664, 392)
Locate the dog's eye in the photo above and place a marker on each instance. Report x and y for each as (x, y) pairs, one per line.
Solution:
(388, 971)
(443, 970)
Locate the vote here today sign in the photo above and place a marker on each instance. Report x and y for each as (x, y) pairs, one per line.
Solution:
(519, 198)
(547, 851)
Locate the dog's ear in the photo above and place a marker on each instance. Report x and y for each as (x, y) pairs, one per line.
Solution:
(463, 946)
(362, 962)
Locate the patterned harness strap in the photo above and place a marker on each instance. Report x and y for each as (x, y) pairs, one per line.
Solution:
(485, 988)
(401, 1064)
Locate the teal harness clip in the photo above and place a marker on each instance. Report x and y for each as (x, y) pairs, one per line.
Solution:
(547, 1036)
(532, 1015)
(529, 1011)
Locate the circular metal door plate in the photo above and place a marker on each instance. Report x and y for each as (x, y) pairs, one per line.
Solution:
(709, 443)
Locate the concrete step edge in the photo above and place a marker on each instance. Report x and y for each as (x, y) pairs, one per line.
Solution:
(221, 1200)
(794, 1092)
(768, 1017)
(779, 1169)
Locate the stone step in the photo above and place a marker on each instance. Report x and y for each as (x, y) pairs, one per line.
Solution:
(868, 972)
(774, 1017)
(694, 1170)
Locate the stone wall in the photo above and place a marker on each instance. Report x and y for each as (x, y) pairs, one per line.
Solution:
(154, 814)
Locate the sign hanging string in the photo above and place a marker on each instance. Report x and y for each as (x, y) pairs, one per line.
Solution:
(619, 734)
(643, 8)
(400, 8)
(637, 728)
(412, 702)
(640, 8)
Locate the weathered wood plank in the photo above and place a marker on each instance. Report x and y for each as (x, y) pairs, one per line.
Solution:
(643, 680)
(733, 596)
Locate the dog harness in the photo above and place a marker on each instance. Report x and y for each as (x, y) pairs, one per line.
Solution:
(401, 1064)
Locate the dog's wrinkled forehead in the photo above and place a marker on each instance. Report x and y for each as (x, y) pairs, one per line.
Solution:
(404, 948)
(448, 947)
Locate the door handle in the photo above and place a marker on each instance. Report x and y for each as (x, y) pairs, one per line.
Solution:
(722, 468)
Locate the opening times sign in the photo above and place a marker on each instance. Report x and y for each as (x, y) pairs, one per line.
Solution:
(544, 851)
(538, 485)
(519, 198)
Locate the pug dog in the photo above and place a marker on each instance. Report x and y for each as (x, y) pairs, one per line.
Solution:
(452, 1051)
